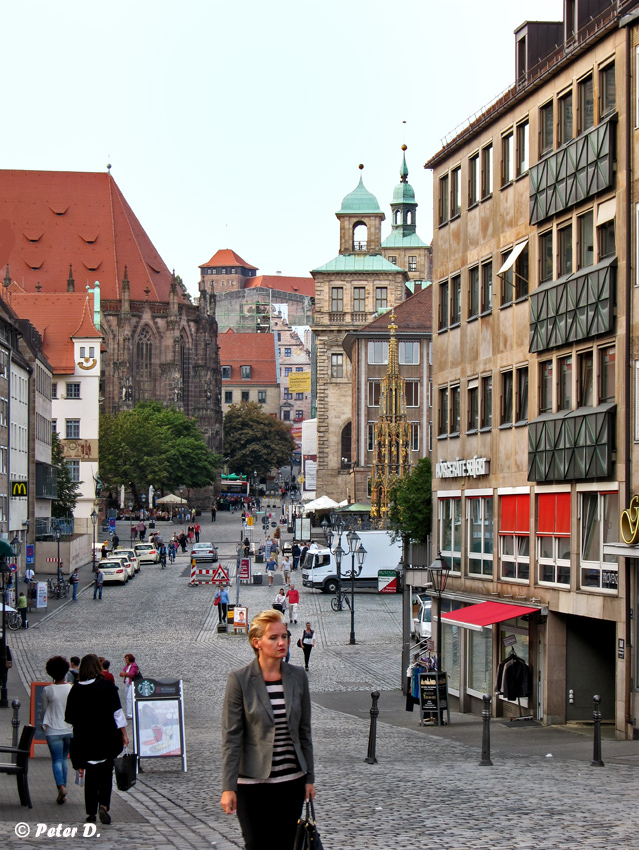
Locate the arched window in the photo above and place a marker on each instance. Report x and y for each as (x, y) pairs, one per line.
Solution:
(398, 217)
(144, 354)
(346, 446)
(360, 236)
(409, 217)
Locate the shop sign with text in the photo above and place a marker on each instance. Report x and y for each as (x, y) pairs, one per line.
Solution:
(471, 468)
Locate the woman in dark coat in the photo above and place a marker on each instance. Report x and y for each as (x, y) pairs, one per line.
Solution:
(99, 735)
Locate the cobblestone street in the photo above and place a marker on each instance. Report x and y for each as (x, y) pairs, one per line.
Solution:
(426, 791)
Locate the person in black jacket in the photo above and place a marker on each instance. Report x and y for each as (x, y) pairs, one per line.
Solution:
(99, 735)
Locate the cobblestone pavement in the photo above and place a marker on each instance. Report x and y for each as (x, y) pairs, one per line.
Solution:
(426, 791)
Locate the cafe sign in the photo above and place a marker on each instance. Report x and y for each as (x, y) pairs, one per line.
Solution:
(629, 522)
(471, 468)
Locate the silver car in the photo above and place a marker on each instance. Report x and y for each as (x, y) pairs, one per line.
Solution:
(204, 553)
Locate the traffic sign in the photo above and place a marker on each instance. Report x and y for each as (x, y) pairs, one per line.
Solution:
(387, 581)
(13, 567)
(30, 553)
(112, 524)
(220, 576)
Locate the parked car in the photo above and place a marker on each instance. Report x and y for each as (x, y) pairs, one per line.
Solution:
(423, 621)
(146, 553)
(130, 553)
(125, 561)
(114, 571)
(203, 553)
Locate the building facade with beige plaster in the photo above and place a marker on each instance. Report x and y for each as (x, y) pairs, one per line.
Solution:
(534, 449)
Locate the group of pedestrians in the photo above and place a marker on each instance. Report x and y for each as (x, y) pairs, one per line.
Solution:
(83, 719)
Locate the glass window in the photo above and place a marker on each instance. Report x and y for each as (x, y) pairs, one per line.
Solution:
(246, 373)
(606, 236)
(507, 288)
(381, 298)
(226, 373)
(607, 374)
(522, 148)
(286, 415)
(74, 470)
(245, 395)
(299, 414)
(480, 536)
(565, 383)
(545, 257)
(565, 118)
(585, 378)
(373, 393)
(378, 352)
(370, 436)
(443, 412)
(337, 299)
(412, 263)
(287, 352)
(73, 390)
(443, 199)
(607, 89)
(455, 192)
(261, 396)
(553, 538)
(480, 661)
(299, 396)
(486, 287)
(473, 407)
(443, 305)
(473, 180)
(279, 336)
(228, 396)
(599, 525)
(565, 250)
(507, 398)
(359, 299)
(72, 429)
(54, 390)
(393, 260)
(545, 129)
(455, 300)
(521, 413)
(586, 104)
(450, 528)
(473, 292)
(586, 251)
(414, 436)
(515, 556)
(455, 411)
(408, 353)
(288, 370)
(545, 387)
(412, 393)
(507, 161)
(337, 365)
(487, 401)
(487, 172)
(521, 274)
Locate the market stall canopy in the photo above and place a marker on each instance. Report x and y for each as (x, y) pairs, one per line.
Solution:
(171, 499)
(476, 617)
(324, 503)
(355, 508)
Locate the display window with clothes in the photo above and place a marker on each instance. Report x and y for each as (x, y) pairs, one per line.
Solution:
(514, 644)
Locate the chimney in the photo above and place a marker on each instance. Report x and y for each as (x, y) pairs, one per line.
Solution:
(70, 281)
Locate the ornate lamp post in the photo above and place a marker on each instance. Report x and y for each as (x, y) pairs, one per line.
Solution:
(334, 535)
(57, 537)
(94, 520)
(438, 576)
(5, 552)
(357, 550)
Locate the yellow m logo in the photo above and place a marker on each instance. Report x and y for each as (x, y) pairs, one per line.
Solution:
(18, 488)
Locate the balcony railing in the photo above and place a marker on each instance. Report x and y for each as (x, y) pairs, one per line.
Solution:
(576, 307)
(359, 246)
(336, 318)
(575, 445)
(358, 318)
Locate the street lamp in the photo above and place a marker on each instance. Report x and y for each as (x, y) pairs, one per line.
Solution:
(334, 535)
(94, 520)
(438, 576)
(5, 552)
(130, 507)
(57, 537)
(356, 549)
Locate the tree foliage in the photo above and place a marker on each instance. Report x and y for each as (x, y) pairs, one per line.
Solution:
(255, 441)
(154, 445)
(411, 509)
(68, 490)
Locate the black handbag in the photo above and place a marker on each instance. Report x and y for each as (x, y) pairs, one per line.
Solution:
(125, 773)
(307, 836)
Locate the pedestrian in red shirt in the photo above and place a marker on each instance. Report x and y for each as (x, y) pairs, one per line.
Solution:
(293, 597)
(106, 674)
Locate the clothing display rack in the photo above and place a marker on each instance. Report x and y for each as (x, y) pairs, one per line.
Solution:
(514, 681)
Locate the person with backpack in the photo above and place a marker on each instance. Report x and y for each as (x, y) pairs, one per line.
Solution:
(74, 581)
(130, 674)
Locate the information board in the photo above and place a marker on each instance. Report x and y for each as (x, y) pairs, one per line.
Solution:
(245, 570)
(36, 712)
(302, 528)
(158, 719)
(433, 696)
(240, 620)
(387, 581)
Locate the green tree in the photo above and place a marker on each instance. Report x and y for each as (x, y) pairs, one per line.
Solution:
(68, 490)
(255, 441)
(411, 511)
(152, 444)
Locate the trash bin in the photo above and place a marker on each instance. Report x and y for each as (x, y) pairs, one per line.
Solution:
(152, 524)
(259, 559)
(257, 578)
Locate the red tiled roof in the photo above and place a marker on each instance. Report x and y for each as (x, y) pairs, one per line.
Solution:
(413, 314)
(303, 285)
(226, 257)
(62, 218)
(255, 350)
(58, 318)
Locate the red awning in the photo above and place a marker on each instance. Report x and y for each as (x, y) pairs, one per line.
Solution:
(475, 617)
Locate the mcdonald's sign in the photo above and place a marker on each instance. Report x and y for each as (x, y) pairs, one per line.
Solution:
(19, 489)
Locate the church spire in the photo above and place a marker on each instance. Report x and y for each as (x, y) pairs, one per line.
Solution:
(403, 171)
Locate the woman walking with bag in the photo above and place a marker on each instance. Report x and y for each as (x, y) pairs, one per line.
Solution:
(308, 642)
(99, 735)
(267, 756)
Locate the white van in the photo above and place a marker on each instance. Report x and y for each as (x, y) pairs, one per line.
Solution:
(319, 569)
(422, 623)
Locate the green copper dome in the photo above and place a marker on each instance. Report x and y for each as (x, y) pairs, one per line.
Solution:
(360, 200)
(404, 192)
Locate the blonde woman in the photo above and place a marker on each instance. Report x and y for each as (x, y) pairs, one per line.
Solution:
(267, 757)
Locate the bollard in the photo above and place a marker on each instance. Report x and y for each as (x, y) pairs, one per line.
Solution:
(485, 735)
(15, 722)
(596, 747)
(372, 735)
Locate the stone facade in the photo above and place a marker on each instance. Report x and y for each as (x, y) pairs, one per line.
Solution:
(293, 359)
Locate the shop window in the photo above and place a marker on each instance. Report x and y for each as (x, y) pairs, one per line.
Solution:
(599, 524)
(473, 292)
(450, 532)
(480, 535)
(451, 647)
(514, 536)
(553, 538)
(373, 393)
(607, 374)
(479, 661)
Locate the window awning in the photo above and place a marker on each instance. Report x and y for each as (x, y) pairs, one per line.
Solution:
(476, 617)
(606, 211)
(509, 262)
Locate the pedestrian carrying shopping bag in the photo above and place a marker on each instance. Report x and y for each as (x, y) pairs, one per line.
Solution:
(307, 836)
(125, 776)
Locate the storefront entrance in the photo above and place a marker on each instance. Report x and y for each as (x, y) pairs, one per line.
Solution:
(590, 667)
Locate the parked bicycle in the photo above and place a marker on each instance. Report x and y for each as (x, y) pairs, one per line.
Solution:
(346, 602)
(58, 589)
(14, 620)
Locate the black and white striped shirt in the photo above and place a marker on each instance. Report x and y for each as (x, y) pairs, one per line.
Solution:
(285, 765)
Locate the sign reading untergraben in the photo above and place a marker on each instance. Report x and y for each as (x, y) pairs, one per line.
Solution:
(471, 468)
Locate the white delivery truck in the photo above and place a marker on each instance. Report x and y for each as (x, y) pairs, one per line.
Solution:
(319, 569)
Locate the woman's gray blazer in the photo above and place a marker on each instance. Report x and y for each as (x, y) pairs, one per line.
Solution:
(248, 725)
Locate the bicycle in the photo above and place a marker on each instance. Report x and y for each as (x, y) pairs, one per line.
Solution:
(14, 620)
(345, 602)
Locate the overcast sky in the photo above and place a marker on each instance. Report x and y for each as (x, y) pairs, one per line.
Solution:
(242, 124)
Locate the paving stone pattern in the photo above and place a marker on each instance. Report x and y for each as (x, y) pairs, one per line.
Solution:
(426, 791)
